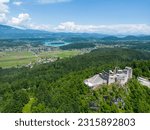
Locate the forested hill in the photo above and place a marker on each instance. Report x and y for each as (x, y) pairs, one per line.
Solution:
(59, 87)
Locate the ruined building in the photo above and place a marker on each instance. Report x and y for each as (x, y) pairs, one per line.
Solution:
(117, 76)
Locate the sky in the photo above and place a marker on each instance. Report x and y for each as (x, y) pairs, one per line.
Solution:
(91, 16)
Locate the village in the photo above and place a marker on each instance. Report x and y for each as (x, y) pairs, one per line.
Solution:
(29, 53)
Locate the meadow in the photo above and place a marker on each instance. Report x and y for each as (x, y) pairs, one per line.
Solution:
(18, 59)
(14, 59)
(60, 54)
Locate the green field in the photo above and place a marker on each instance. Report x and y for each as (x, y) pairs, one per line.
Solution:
(61, 54)
(27, 107)
(14, 59)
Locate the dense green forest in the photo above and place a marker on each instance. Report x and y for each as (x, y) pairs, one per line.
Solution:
(78, 46)
(59, 86)
(20, 42)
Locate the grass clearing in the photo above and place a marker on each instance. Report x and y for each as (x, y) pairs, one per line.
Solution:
(60, 54)
(27, 107)
(14, 59)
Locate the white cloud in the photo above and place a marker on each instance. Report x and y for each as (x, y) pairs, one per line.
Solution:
(108, 29)
(39, 27)
(18, 3)
(4, 1)
(4, 10)
(2, 18)
(52, 1)
(21, 20)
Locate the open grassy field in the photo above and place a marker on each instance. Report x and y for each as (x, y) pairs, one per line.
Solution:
(61, 54)
(27, 107)
(13, 59)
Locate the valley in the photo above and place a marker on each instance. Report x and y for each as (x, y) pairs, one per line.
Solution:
(58, 87)
(39, 78)
(29, 58)
(28, 52)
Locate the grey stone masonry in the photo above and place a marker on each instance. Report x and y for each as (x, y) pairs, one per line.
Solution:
(117, 76)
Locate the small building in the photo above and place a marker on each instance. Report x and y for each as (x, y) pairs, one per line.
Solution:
(117, 76)
(144, 81)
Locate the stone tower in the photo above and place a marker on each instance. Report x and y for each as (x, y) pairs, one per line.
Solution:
(130, 72)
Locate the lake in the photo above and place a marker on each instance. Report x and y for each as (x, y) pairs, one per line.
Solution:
(56, 43)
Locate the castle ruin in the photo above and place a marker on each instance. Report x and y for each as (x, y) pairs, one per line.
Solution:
(117, 76)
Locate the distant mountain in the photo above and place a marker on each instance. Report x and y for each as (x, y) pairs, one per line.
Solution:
(111, 38)
(131, 37)
(127, 38)
(12, 32)
(9, 32)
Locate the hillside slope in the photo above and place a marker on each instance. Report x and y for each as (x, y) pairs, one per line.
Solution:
(8, 32)
(59, 87)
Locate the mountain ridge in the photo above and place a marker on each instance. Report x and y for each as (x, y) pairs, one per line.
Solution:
(9, 32)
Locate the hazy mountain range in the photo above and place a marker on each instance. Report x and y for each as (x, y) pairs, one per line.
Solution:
(9, 32)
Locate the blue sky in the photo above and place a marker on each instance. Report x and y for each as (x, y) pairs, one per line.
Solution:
(102, 16)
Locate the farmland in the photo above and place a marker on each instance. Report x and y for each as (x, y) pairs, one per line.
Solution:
(61, 54)
(13, 59)
(18, 59)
